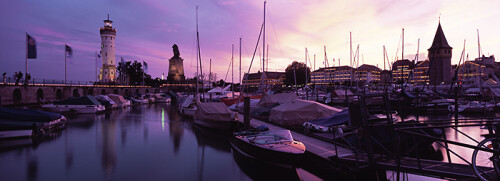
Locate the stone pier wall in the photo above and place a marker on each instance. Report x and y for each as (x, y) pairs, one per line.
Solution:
(18, 95)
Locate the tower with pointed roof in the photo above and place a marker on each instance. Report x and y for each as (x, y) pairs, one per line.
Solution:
(439, 59)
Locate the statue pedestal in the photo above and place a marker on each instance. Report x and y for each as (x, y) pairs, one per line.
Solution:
(175, 69)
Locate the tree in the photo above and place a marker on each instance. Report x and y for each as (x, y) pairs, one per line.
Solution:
(300, 73)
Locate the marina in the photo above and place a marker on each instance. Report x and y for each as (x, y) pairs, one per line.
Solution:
(142, 104)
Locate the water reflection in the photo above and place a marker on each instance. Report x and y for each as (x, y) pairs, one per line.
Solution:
(149, 142)
(216, 139)
(32, 167)
(474, 132)
(176, 127)
(259, 170)
(108, 154)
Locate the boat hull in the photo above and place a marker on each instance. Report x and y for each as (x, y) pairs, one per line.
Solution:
(222, 125)
(80, 109)
(270, 155)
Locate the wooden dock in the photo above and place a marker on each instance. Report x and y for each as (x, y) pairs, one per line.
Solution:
(326, 151)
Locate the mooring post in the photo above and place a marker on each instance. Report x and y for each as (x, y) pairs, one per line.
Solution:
(246, 116)
(456, 105)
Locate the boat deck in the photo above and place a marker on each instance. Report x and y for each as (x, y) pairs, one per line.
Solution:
(313, 145)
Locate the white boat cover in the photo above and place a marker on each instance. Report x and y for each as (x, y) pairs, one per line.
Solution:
(241, 108)
(340, 93)
(187, 101)
(270, 99)
(105, 98)
(213, 111)
(297, 112)
(271, 137)
(118, 99)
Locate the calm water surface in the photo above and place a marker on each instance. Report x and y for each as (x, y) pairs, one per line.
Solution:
(149, 142)
(152, 142)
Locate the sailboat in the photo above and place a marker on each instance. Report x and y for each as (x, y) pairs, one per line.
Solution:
(189, 105)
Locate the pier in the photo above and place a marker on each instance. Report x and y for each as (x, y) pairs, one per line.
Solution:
(325, 154)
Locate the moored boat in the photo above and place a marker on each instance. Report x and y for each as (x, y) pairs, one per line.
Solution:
(215, 115)
(473, 107)
(30, 119)
(84, 104)
(277, 147)
(119, 100)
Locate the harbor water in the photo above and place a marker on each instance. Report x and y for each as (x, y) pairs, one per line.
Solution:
(148, 142)
(153, 142)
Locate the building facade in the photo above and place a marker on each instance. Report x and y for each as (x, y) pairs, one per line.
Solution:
(471, 73)
(108, 34)
(439, 59)
(270, 79)
(401, 71)
(365, 74)
(421, 73)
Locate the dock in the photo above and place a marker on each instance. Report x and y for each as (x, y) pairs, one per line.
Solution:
(327, 153)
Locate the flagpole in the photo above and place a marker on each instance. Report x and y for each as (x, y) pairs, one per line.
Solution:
(65, 63)
(96, 67)
(26, 54)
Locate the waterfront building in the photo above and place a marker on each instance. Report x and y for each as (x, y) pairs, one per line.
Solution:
(274, 79)
(107, 73)
(343, 75)
(322, 76)
(386, 77)
(439, 59)
(421, 73)
(401, 71)
(366, 74)
(471, 73)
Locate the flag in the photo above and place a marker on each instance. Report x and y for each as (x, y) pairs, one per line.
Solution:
(31, 45)
(145, 66)
(68, 50)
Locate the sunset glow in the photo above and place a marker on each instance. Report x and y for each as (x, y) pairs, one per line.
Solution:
(146, 31)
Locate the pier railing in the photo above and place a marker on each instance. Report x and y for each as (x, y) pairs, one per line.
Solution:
(54, 82)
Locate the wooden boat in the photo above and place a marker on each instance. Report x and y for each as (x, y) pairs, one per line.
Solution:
(277, 147)
(215, 115)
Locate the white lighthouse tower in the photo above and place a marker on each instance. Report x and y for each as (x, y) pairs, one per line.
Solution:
(108, 35)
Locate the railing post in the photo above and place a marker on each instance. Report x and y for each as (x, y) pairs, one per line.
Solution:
(446, 144)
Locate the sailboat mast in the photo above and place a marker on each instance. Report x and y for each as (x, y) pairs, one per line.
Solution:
(306, 67)
(403, 45)
(232, 68)
(240, 67)
(478, 45)
(264, 48)
(197, 49)
(199, 52)
(383, 54)
(210, 71)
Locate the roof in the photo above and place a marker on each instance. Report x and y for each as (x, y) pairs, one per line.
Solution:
(269, 75)
(402, 62)
(368, 68)
(439, 39)
(424, 63)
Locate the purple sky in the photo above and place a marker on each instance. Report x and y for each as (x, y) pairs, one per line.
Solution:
(146, 31)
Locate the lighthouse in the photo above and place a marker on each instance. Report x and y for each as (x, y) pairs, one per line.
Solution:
(108, 35)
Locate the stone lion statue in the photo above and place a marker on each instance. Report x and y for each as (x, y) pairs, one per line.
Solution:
(176, 51)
